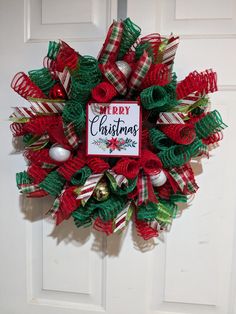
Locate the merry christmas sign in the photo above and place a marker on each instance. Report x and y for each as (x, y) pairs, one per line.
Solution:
(113, 129)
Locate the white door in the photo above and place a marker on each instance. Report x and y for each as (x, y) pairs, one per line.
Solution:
(63, 270)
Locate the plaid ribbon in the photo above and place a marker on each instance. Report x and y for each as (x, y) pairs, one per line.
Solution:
(170, 118)
(136, 79)
(70, 134)
(86, 191)
(111, 45)
(55, 207)
(145, 189)
(184, 177)
(29, 188)
(123, 218)
(115, 77)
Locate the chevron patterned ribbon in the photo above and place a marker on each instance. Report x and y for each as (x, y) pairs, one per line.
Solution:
(170, 118)
(86, 191)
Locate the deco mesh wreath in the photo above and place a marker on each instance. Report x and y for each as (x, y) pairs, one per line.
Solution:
(106, 191)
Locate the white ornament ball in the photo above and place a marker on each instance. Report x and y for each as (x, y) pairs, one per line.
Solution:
(158, 179)
(59, 153)
(124, 67)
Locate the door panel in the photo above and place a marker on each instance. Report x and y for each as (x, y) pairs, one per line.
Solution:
(62, 270)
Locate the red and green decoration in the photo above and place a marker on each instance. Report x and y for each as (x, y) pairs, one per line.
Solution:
(108, 192)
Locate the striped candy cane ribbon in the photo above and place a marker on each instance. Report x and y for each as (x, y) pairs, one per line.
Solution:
(42, 106)
(123, 218)
(170, 118)
(86, 191)
(21, 112)
(170, 51)
(65, 79)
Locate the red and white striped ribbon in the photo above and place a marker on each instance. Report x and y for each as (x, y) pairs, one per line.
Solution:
(87, 189)
(190, 99)
(170, 118)
(122, 218)
(22, 112)
(65, 79)
(119, 178)
(170, 50)
(46, 107)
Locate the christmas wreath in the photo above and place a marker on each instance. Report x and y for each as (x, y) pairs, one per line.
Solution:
(112, 138)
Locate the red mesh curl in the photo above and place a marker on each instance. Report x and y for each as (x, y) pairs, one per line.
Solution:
(17, 129)
(67, 57)
(127, 167)
(158, 74)
(70, 167)
(36, 173)
(68, 203)
(22, 84)
(97, 165)
(212, 139)
(104, 92)
(202, 83)
(103, 226)
(150, 162)
(144, 230)
(39, 157)
(180, 133)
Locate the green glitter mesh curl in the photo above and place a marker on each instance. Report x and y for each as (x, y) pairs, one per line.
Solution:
(178, 155)
(159, 140)
(83, 215)
(85, 79)
(43, 79)
(130, 34)
(22, 178)
(110, 208)
(159, 98)
(74, 112)
(81, 176)
(210, 124)
(53, 183)
(53, 49)
(166, 212)
(147, 211)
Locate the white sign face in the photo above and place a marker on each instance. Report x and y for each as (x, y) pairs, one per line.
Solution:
(113, 129)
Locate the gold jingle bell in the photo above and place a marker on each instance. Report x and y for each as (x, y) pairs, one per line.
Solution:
(101, 192)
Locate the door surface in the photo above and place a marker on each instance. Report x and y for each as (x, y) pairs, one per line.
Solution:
(65, 270)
